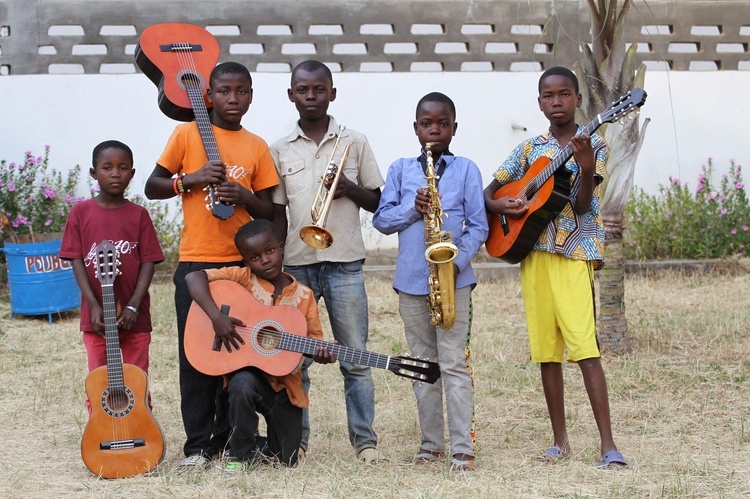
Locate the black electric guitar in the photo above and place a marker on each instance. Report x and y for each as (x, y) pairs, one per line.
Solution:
(121, 438)
(176, 57)
(275, 339)
(545, 189)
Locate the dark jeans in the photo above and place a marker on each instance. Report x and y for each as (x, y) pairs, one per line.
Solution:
(203, 401)
(251, 394)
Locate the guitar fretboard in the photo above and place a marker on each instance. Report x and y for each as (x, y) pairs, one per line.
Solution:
(112, 338)
(307, 346)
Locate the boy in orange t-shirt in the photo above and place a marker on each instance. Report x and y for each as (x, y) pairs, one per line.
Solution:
(244, 178)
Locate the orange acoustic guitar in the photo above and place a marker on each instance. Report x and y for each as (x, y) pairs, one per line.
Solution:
(545, 189)
(121, 438)
(275, 339)
(176, 57)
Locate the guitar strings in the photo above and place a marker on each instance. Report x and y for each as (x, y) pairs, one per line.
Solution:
(298, 344)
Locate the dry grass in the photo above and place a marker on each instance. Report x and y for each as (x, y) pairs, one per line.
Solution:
(679, 404)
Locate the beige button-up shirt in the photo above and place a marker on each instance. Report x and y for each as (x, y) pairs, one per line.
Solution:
(301, 163)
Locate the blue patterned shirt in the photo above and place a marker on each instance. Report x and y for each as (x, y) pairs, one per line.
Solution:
(579, 237)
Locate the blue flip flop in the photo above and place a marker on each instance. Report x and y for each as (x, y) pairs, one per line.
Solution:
(612, 460)
(553, 455)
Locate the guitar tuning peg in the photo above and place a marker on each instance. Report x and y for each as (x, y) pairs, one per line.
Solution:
(117, 272)
(208, 206)
(205, 189)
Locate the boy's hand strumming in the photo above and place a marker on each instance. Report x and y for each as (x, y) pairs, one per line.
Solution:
(226, 333)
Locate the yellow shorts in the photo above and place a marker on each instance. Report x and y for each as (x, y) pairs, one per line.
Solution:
(559, 300)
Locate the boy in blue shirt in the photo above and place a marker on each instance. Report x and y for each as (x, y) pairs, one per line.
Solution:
(403, 206)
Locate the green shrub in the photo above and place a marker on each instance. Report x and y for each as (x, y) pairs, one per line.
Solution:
(168, 226)
(680, 223)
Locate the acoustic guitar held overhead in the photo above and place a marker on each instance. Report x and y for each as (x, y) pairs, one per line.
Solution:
(545, 189)
(179, 58)
(275, 340)
(121, 438)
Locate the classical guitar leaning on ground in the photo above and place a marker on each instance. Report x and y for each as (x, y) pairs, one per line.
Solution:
(177, 58)
(545, 189)
(275, 339)
(121, 438)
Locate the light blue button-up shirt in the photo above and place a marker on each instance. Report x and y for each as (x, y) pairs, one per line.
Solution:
(462, 200)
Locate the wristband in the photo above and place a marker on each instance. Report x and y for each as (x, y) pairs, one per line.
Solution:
(175, 187)
(132, 309)
(180, 186)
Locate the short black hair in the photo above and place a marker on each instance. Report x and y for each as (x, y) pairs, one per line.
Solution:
(253, 228)
(436, 97)
(234, 68)
(109, 144)
(559, 71)
(311, 66)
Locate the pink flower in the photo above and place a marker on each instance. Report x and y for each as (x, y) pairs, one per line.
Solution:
(723, 212)
(21, 220)
(49, 193)
(48, 223)
(12, 187)
(745, 228)
(739, 185)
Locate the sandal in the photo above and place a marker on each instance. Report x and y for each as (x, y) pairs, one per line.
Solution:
(553, 455)
(424, 456)
(612, 460)
(465, 463)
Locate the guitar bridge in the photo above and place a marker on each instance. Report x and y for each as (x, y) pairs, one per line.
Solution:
(130, 443)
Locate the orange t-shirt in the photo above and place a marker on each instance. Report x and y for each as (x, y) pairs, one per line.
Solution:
(296, 295)
(206, 238)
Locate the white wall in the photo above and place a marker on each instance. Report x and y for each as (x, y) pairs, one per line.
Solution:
(695, 115)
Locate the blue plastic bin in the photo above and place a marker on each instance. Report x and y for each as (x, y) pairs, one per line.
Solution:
(39, 281)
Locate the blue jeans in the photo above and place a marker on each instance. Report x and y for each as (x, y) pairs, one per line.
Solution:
(342, 286)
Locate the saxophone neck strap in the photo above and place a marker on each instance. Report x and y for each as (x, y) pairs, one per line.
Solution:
(439, 166)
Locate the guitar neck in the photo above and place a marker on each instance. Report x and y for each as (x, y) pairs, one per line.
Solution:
(559, 160)
(204, 122)
(112, 338)
(307, 346)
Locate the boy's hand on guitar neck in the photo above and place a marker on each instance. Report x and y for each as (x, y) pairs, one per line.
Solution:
(323, 356)
(584, 153)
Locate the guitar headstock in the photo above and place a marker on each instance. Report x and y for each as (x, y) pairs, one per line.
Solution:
(628, 103)
(107, 261)
(413, 368)
(218, 209)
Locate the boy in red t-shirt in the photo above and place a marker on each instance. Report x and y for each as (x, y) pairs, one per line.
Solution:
(129, 228)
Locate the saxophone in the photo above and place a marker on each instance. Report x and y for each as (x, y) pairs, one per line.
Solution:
(440, 253)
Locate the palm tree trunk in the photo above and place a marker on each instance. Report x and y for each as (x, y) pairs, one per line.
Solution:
(612, 326)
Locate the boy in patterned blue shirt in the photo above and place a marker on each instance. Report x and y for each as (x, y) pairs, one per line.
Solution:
(557, 275)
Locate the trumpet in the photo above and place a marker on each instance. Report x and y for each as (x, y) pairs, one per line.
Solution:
(316, 235)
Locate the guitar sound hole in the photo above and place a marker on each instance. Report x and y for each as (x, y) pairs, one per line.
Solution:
(117, 401)
(268, 338)
(189, 79)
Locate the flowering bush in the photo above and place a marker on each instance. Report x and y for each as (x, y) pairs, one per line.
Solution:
(35, 199)
(680, 223)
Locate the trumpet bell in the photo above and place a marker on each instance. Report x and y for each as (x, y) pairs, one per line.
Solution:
(316, 237)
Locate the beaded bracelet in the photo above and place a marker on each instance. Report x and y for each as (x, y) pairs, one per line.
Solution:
(180, 187)
(175, 187)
